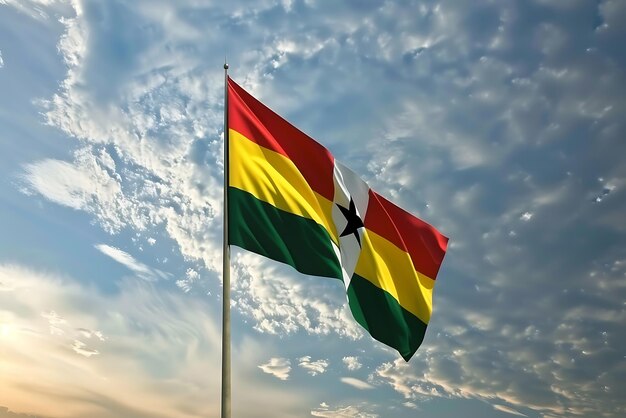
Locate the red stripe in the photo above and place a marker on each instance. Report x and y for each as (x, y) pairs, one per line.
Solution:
(260, 124)
(425, 244)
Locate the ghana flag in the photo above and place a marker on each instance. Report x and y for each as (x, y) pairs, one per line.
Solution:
(289, 200)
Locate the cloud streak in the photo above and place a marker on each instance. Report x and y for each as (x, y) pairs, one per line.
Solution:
(350, 411)
(161, 351)
(352, 363)
(356, 383)
(278, 367)
(141, 270)
(313, 367)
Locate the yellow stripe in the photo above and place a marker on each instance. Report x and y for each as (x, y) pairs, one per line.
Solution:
(274, 178)
(389, 268)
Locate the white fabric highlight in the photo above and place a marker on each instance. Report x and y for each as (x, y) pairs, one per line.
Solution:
(348, 186)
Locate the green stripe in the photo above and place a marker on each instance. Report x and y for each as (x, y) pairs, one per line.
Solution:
(384, 318)
(259, 227)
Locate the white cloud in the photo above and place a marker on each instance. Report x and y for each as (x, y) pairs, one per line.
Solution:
(278, 367)
(140, 269)
(437, 372)
(191, 277)
(399, 377)
(38, 9)
(410, 405)
(87, 333)
(1, 60)
(526, 216)
(352, 363)
(359, 384)
(57, 324)
(508, 410)
(349, 411)
(281, 303)
(71, 185)
(81, 348)
(161, 355)
(313, 367)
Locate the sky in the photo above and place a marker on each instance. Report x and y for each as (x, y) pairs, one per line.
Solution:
(501, 123)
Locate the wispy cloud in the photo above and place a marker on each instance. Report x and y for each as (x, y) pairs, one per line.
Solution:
(5, 413)
(508, 410)
(280, 304)
(410, 405)
(191, 277)
(352, 363)
(313, 367)
(81, 348)
(70, 184)
(140, 269)
(350, 411)
(279, 367)
(357, 383)
(162, 351)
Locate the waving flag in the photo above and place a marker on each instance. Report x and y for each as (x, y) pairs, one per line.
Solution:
(289, 200)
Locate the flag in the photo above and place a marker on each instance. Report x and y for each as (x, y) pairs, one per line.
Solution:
(291, 201)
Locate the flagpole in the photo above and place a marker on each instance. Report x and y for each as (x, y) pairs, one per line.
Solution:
(226, 269)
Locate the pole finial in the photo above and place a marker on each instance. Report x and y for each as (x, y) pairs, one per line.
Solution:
(226, 66)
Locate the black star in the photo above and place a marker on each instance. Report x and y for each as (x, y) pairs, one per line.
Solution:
(354, 222)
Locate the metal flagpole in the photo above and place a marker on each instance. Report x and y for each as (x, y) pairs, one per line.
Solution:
(226, 270)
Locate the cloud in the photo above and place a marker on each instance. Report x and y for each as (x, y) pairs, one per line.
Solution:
(359, 384)
(313, 367)
(80, 348)
(349, 411)
(526, 216)
(90, 334)
(38, 9)
(141, 270)
(161, 351)
(352, 363)
(69, 184)
(410, 405)
(191, 277)
(508, 410)
(400, 378)
(281, 303)
(57, 324)
(278, 367)
(5, 413)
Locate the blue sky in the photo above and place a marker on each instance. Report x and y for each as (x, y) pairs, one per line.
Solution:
(501, 123)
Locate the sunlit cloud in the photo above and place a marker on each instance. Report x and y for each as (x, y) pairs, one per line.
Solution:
(357, 383)
(278, 367)
(140, 269)
(156, 351)
(508, 410)
(313, 367)
(352, 363)
(350, 411)
(81, 348)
